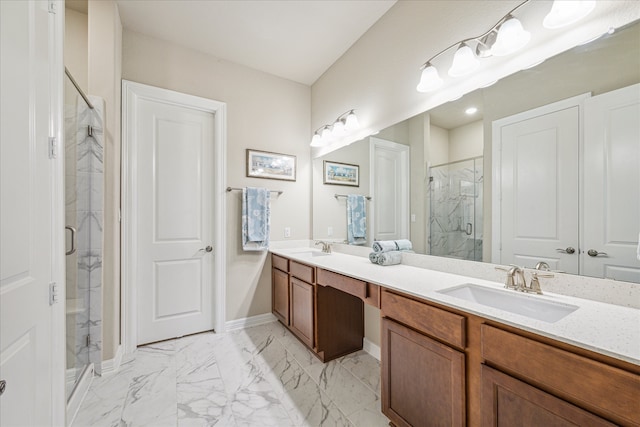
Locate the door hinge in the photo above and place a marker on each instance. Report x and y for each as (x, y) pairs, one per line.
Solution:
(53, 293)
(89, 130)
(53, 147)
(88, 340)
(52, 7)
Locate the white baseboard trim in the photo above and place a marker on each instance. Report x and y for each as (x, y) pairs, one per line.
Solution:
(248, 322)
(371, 348)
(79, 393)
(111, 366)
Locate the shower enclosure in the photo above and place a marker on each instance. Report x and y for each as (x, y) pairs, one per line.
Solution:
(83, 216)
(455, 209)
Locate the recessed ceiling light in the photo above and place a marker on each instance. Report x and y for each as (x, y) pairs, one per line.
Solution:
(471, 110)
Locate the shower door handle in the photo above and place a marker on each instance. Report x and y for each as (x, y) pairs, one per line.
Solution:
(469, 229)
(73, 240)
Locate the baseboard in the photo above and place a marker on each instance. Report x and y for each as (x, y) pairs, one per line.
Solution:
(111, 366)
(79, 393)
(371, 348)
(248, 322)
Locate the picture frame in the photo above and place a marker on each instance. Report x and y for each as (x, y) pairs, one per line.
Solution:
(336, 173)
(268, 165)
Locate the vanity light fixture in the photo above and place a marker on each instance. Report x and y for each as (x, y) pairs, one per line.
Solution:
(567, 12)
(346, 122)
(504, 38)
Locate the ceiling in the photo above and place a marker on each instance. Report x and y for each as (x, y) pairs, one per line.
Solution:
(294, 39)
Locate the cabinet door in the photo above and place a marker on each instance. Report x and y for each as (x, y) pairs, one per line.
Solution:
(507, 401)
(302, 310)
(280, 296)
(423, 381)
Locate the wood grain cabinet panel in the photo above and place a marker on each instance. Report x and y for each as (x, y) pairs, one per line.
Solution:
(349, 285)
(433, 321)
(423, 381)
(280, 295)
(302, 312)
(507, 401)
(302, 272)
(280, 263)
(600, 388)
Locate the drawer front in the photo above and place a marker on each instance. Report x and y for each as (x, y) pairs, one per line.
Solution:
(605, 390)
(280, 263)
(301, 271)
(430, 320)
(345, 284)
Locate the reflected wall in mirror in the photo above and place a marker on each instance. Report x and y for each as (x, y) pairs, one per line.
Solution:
(440, 138)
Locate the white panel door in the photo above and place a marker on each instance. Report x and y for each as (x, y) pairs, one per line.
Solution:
(539, 186)
(612, 193)
(390, 187)
(175, 196)
(25, 215)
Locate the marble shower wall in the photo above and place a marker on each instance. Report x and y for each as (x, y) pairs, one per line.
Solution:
(455, 219)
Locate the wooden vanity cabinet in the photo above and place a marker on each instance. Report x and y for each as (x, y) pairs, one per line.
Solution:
(320, 313)
(423, 375)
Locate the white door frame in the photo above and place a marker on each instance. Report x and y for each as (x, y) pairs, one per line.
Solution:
(496, 172)
(404, 150)
(131, 93)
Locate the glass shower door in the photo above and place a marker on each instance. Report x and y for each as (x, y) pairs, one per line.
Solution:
(455, 210)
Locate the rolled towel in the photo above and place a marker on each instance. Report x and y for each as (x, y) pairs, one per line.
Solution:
(404, 245)
(389, 258)
(373, 257)
(384, 246)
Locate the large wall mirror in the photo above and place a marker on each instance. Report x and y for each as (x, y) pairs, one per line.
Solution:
(432, 178)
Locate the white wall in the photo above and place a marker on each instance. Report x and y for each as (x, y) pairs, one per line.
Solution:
(76, 51)
(104, 75)
(466, 141)
(264, 112)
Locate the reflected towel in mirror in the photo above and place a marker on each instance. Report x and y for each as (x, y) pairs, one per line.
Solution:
(356, 220)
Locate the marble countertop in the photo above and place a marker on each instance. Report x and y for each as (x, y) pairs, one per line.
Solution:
(604, 328)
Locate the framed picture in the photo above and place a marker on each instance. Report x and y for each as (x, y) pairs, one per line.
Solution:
(341, 174)
(263, 164)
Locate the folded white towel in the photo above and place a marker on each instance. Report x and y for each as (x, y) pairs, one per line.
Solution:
(389, 258)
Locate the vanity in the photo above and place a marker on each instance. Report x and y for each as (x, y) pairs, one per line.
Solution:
(450, 361)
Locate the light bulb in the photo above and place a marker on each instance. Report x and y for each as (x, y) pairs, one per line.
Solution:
(567, 12)
(351, 122)
(338, 129)
(464, 62)
(316, 141)
(511, 37)
(430, 80)
(326, 134)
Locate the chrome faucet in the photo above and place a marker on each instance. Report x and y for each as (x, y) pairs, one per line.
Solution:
(326, 246)
(516, 280)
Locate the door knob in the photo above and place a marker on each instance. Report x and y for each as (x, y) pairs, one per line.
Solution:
(207, 249)
(594, 253)
(569, 250)
(3, 386)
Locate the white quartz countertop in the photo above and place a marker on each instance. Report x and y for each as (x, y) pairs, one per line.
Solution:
(604, 328)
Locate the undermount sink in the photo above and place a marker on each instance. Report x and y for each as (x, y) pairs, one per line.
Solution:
(310, 254)
(524, 305)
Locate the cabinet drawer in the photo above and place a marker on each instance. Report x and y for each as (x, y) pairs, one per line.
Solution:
(301, 271)
(597, 387)
(433, 321)
(280, 262)
(355, 287)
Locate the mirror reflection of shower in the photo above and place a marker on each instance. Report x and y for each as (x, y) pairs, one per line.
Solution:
(83, 216)
(455, 209)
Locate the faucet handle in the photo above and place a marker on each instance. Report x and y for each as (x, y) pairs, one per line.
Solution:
(535, 283)
(509, 281)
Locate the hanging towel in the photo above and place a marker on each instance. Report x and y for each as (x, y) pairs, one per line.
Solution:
(389, 258)
(256, 219)
(356, 220)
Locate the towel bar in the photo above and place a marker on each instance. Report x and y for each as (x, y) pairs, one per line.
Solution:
(344, 195)
(240, 189)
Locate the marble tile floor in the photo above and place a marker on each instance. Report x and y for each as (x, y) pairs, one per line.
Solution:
(259, 376)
